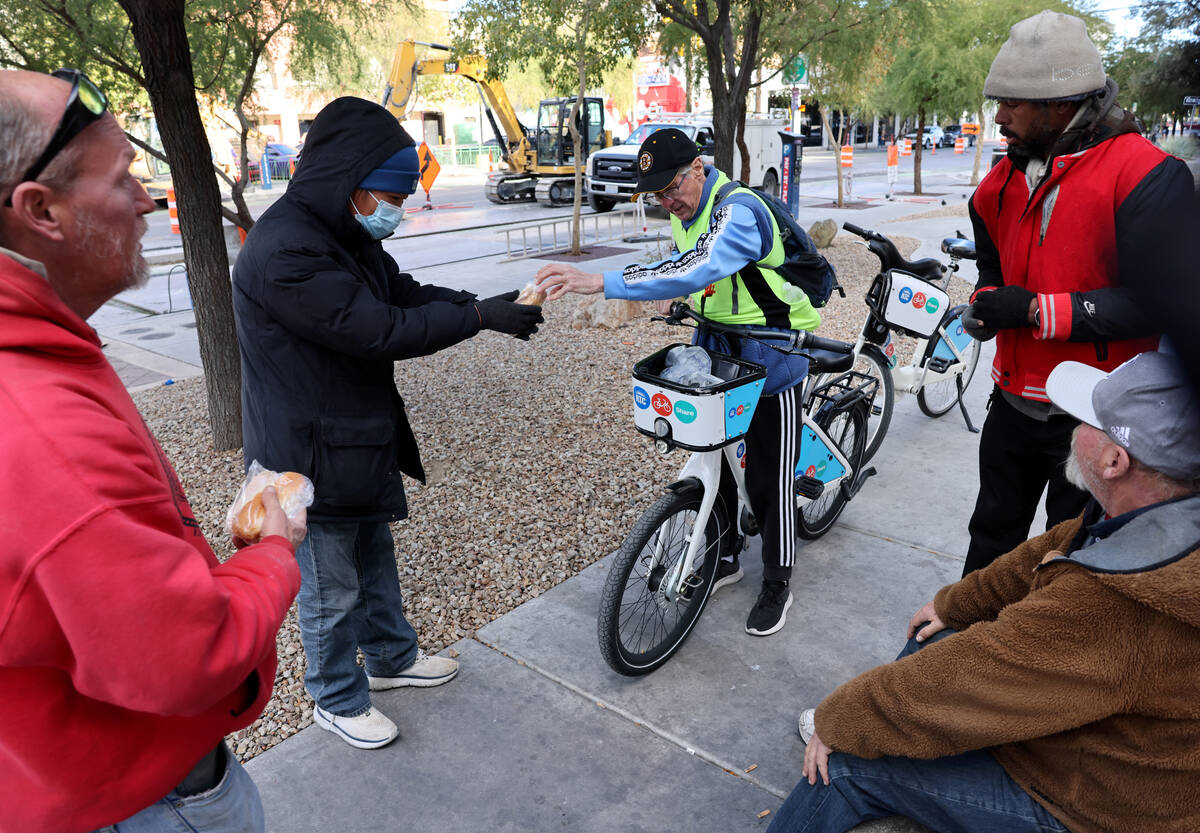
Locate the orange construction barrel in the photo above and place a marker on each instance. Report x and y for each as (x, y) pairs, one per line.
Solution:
(847, 156)
(960, 144)
(907, 149)
(172, 210)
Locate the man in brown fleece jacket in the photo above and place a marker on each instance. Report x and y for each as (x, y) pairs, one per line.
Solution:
(1062, 688)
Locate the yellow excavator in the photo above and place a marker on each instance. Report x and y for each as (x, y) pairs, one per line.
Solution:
(538, 163)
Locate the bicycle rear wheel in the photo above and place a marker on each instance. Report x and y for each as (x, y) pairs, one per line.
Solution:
(639, 627)
(848, 431)
(870, 361)
(939, 398)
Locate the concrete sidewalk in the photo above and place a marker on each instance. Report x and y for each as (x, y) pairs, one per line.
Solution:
(536, 733)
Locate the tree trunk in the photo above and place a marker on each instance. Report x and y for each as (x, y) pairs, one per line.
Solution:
(161, 40)
(573, 127)
(978, 149)
(917, 152)
(744, 171)
(827, 128)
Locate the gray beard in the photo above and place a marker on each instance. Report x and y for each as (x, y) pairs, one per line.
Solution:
(135, 272)
(1073, 471)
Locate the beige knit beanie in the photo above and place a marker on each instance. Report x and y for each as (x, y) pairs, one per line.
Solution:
(1048, 56)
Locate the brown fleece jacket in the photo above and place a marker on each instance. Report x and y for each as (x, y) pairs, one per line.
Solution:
(1085, 685)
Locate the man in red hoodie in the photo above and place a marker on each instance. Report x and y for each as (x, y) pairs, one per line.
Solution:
(127, 652)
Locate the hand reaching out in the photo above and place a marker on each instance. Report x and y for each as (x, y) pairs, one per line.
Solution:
(557, 279)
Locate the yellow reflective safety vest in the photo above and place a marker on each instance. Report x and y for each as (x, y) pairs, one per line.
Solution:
(756, 294)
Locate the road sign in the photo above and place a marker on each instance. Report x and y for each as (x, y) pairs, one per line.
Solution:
(430, 167)
(1191, 100)
(795, 71)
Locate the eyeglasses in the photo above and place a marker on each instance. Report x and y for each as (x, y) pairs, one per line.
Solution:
(85, 104)
(671, 193)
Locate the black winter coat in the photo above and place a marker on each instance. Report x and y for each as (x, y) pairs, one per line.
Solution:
(322, 313)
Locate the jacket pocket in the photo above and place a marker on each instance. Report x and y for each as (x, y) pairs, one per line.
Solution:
(354, 456)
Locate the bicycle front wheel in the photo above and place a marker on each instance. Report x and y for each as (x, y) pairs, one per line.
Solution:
(640, 628)
(847, 429)
(939, 398)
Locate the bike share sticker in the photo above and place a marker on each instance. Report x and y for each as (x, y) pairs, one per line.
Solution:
(685, 412)
(816, 460)
(931, 305)
(906, 295)
(640, 398)
(739, 407)
(957, 336)
(661, 404)
(889, 350)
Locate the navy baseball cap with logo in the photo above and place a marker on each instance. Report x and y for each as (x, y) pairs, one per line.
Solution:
(660, 157)
(1147, 406)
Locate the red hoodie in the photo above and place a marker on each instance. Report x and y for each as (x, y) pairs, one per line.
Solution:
(126, 650)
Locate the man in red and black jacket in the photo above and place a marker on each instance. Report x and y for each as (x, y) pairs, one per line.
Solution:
(1070, 228)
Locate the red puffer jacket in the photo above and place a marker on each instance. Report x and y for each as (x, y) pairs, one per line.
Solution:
(1090, 230)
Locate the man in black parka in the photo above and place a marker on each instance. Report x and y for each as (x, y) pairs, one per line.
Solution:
(322, 313)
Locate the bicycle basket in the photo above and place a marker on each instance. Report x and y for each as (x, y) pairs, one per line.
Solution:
(698, 418)
(910, 304)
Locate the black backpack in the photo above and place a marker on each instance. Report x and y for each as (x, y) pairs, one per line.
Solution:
(803, 265)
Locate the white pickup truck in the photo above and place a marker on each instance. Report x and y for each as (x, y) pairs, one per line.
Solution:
(612, 172)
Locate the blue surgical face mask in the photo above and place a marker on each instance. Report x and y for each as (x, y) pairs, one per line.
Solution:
(382, 221)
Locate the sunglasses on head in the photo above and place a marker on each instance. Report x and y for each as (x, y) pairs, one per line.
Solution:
(85, 104)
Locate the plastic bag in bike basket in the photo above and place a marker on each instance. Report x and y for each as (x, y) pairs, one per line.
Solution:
(698, 418)
(913, 305)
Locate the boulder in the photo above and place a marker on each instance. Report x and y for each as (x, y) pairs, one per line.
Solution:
(822, 233)
(606, 313)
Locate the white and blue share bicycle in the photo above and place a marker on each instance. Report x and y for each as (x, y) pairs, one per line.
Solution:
(663, 573)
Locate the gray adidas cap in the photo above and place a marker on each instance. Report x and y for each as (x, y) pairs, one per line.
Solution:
(1147, 406)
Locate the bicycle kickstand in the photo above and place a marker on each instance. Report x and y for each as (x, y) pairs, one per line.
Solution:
(962, 406)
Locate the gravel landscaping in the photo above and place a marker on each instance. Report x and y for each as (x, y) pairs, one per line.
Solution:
(535, 470)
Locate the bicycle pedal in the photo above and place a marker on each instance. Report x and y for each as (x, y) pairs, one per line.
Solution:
(940, 365)
(809, 487)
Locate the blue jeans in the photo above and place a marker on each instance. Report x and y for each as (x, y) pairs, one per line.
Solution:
(232, 806)
(350, 598)
(968, 793)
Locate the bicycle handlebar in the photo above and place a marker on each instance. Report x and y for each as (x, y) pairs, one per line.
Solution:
(797, 340)
(865, 234)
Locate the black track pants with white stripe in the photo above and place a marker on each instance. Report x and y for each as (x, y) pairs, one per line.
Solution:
(772, 444)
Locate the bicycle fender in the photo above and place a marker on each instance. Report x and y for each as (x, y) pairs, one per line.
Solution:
(686, 486)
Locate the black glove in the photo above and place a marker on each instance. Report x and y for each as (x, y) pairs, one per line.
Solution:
(1003, 308)
(973, 326)
(499, 313)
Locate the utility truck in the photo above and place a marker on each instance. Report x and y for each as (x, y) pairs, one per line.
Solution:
(612, 172)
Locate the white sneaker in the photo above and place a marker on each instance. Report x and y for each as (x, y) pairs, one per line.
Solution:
(366, 731)
(808, 725)
(426, 671)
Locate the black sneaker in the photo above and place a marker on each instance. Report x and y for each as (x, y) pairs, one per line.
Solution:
(728, 572)
(770, 611)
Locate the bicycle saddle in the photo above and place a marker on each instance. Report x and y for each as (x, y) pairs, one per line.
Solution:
(827, 361)
(889, 256)
(959, 247)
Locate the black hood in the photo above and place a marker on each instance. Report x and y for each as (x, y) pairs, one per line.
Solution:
(348, 139)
